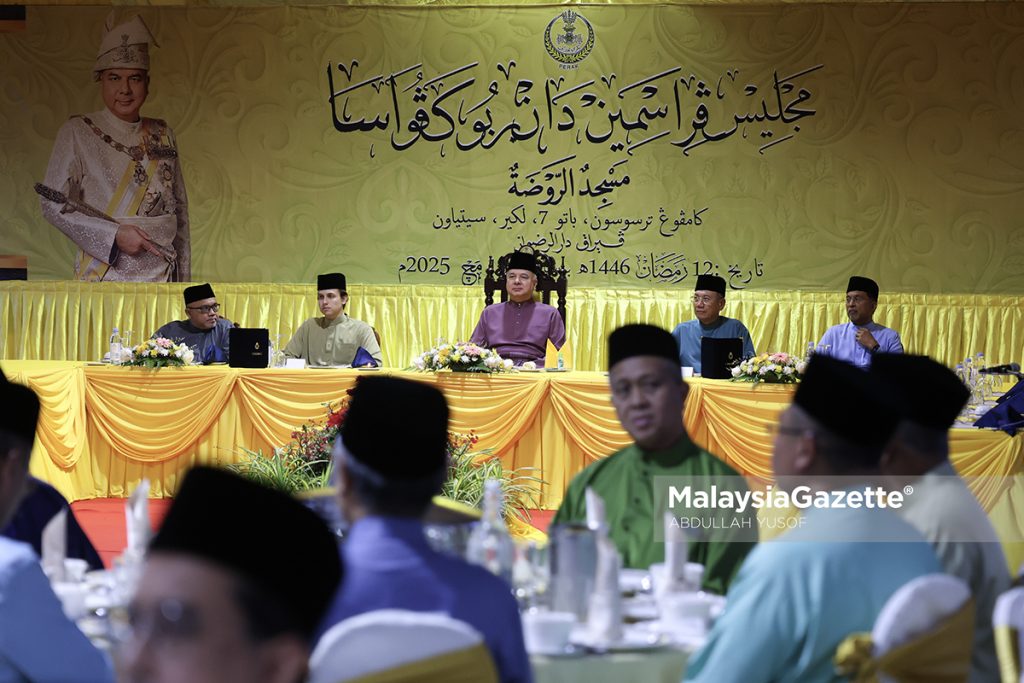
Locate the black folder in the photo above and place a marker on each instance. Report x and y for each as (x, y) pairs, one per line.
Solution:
(248, 347)
(718, 356)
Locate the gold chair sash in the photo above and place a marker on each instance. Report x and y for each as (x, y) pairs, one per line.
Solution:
(471, 665)
(942, 655)
(1008, 650)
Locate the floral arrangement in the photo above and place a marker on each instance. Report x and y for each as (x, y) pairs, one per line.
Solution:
(159, 353)
(774, 368)
(305, 464)
(461, 357)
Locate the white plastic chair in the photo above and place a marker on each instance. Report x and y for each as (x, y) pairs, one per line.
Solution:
(1008, 624)
(915, 609)
(386, 639)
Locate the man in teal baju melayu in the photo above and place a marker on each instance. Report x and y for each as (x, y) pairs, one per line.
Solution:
(797, 597)
(648, 394)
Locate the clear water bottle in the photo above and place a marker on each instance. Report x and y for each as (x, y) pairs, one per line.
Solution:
(490, 545)
(115, 348)
(810, 351)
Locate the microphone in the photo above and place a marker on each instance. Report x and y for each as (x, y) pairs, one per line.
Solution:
(1007, 369)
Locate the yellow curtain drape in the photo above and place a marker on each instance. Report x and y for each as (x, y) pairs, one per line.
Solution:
(152, 416)
(70, 320)
(103, 429)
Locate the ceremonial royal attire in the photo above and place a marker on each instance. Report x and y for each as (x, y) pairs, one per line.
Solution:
(797, 597)
(520, 331)
(37, 642)
(332, 342)
(843, 342)
(389, 565)
(945, 511)
(688, 335)
(210, 346)
(130, 172)
(625, 480)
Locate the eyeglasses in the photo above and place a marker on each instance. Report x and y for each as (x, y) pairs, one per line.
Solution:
(703, 299)
(169, 620)
(205, 310)
(522, 277)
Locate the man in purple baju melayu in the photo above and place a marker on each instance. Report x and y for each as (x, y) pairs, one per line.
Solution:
(520, 327)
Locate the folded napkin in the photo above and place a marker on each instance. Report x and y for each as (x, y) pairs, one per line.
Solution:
(552, 356)
(604, 618)
(676, 549)
(54, 546)
(137, 518)
(363, 359)
(596, 516)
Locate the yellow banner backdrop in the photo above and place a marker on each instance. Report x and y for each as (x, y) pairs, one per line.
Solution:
(782, 147)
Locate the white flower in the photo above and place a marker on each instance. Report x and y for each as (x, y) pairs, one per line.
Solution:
(465, 359)
(188, 356)
(492, 362)
(419, 363)
(164, 352)
(787, 370)
(763, 370)
(507, 363)
(801, 366)
(529, 365)
(737, 371)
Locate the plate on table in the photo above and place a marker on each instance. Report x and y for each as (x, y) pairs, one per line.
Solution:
(640, 608)
(634, 580)
(633, 640)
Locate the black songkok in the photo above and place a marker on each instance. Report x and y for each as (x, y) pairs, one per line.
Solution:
(710, 283)
(198, 293)
(641, 340)
(929, 393)
(270, 539)
(397, 427)
(331, 281)
(847, 401)
(520, 260)
(863, 284)
(21, 410)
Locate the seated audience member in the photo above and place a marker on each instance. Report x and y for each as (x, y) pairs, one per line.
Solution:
(708, 302)
(648, 394)
(942, 507)
(858, 340)
(40, 504)
(335, 338)
(203, 329)
(797, 597)
(234, 585)
(37, 642)
(520, 327)
(385, 486)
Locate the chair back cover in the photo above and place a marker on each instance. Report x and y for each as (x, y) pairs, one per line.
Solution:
(400, 646)
(924, 632)
(1008, 625)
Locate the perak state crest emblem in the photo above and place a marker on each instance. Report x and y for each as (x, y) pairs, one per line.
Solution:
(569, 38)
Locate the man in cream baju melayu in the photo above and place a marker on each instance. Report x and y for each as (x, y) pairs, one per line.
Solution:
(114, 184)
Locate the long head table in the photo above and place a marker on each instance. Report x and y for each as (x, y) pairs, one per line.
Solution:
(105, 428)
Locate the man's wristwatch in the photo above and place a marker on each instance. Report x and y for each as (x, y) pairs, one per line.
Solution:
(874, 349)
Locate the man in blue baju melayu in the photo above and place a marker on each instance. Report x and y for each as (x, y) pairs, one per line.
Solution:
(708, 302)
(858, 340)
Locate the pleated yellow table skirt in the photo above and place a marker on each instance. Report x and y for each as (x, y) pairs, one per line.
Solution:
(103, 428)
